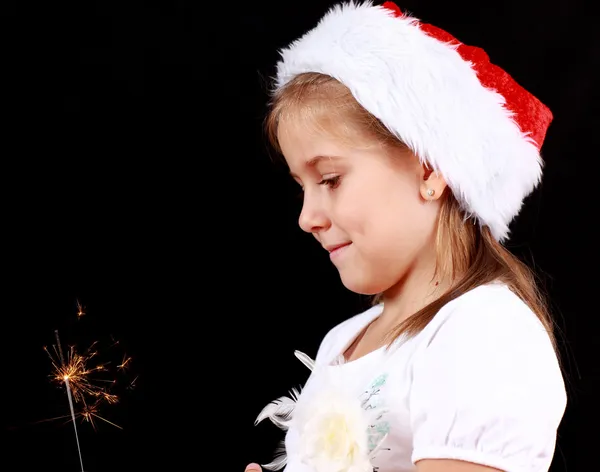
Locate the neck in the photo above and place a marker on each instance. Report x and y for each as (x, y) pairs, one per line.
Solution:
(413, 292)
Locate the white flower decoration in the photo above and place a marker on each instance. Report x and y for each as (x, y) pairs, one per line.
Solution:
(332, 424)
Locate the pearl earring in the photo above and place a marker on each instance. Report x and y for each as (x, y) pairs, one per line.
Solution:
(430, 192)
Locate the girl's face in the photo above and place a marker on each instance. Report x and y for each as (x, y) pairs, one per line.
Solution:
(366, 204)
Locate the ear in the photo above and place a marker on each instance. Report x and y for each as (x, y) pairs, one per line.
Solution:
(432, 184)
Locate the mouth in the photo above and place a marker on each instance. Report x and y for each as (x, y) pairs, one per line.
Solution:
(337, 249)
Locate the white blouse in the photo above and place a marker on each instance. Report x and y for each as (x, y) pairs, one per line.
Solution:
(481, 383)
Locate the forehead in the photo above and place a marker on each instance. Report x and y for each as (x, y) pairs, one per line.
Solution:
(317, 130)
(307, 145)
(317, 116)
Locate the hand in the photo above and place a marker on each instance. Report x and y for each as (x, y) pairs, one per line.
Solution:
(253, 468)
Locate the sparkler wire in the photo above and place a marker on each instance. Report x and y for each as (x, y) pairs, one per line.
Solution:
(66, 378)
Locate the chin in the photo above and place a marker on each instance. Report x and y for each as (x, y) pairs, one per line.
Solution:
(363, 287)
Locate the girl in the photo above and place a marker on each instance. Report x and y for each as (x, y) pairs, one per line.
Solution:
(414, 153)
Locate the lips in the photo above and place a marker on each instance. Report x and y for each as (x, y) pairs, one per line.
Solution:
(335, 247)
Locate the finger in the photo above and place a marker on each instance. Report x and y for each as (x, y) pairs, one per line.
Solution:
(253, 468)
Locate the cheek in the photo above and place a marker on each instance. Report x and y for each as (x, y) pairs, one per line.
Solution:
(352, 211)
(393, 214)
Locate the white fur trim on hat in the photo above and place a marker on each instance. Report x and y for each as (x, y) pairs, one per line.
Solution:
(430, 98)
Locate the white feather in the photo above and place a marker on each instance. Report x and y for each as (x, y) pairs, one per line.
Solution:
(307, 361)
(280, 459)
(312, 418)
(280, 411)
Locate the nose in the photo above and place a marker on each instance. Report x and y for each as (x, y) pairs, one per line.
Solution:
(313, 218)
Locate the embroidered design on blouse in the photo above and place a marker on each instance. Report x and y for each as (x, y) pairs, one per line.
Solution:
(371, 399)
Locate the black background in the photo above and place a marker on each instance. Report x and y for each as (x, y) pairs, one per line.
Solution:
(136, 180)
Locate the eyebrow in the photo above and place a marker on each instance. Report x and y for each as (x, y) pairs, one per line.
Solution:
(312, 162)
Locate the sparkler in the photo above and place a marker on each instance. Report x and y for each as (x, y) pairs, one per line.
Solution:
(80, 309)
(85, 393)
(65, 371)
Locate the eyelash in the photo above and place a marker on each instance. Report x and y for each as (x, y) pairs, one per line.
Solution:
(332, 183)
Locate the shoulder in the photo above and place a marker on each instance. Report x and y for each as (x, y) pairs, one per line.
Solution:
(490, 295)
(490, 325)
(487, 384)
(489, 309)
(489, 339)
(338, 336)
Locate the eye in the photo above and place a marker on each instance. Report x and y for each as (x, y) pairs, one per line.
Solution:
(332, 182)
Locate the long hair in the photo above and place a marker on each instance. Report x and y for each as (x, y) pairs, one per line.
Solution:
(467, 253)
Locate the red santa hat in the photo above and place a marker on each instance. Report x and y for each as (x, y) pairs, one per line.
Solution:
(462, 115)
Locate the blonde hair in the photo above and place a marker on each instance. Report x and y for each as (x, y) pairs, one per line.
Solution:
(475, 258)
